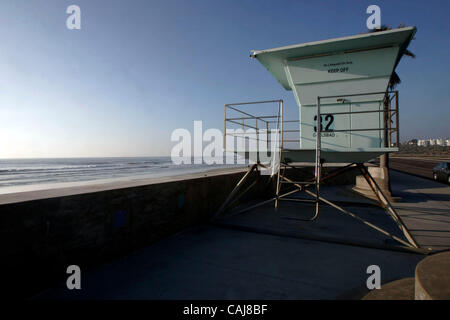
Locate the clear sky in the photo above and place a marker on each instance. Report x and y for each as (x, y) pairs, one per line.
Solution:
(139, 69)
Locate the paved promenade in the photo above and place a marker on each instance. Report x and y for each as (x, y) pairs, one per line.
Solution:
(425, 209)
(269, 254)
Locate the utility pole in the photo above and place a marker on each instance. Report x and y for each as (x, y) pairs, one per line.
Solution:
(384, 158)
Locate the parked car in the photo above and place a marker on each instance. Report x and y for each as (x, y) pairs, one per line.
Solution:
(442, 172)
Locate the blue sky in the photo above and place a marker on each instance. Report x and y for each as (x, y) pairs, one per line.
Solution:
(137, 70)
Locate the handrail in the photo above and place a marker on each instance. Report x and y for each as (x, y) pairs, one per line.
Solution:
(266, 119)
(248, 114)
(390, 127)
(253, 102)
(356, 94)
(352, 112)
(388, 113)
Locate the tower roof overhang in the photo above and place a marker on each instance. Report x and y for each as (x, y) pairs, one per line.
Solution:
(275, 59)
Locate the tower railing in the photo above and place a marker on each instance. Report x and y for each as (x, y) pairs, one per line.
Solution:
(263, 122)
(390, 113)
(266, 121)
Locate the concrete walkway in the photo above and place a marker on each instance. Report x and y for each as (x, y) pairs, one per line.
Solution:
(269, 254)
(217, 263)
(425, 209)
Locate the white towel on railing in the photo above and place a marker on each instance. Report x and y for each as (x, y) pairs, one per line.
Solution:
(275, 150)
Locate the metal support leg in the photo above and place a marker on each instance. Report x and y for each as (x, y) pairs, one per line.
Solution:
(280, 117)
(318, 168)
(278, 187)
(318, 178)
(317, 199)
(387, 205)
(371, 225)
(360, 219)
(235, 190)
(410, 243)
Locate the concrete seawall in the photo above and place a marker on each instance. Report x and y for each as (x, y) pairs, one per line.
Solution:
(44, 232)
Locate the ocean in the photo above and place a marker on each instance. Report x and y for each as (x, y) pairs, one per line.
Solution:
(18, 175)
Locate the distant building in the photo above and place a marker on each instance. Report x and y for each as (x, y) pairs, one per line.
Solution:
(431, 142)
(412, 142)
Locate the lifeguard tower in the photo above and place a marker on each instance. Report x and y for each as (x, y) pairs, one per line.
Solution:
(347, 115)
